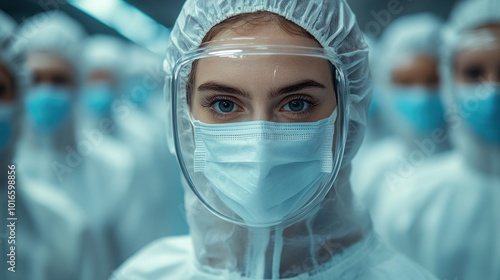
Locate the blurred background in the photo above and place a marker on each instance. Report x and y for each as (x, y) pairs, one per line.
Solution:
(146, 22)
(82, 117)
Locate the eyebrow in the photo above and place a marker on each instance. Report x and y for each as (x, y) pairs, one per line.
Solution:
(217, 87)
(297, 87)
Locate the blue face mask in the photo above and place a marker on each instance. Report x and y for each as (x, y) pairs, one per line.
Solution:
(7, 114)
(98, 99)
(264, 171)
(48, 107)
(421, 108)
(479, 105)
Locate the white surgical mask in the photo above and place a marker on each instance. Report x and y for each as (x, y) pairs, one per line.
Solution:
(264, 171)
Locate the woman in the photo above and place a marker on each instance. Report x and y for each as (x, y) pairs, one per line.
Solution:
(268, 102)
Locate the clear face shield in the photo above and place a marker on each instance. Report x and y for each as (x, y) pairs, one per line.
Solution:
(259, 129)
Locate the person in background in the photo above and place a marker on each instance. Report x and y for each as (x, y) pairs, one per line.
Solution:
(154, 200)
(446, 216)
(110, 169)
(266, 105)
(51, 236)
(52, 44)
(410, 103)
(377, 128)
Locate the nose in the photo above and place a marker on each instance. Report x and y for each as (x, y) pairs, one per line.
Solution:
(262, 114)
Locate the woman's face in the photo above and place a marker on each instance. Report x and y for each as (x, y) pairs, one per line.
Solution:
(480, 64)
(272, 88)
(7, 93)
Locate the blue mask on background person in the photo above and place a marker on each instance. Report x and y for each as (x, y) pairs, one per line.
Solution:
(48, 107)
(421, 108)
(264, 171)
(480, 107)
(98, 99)
(7, 115)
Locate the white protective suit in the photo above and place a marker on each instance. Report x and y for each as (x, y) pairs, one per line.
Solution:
(446, 216)
(51, 33)
(394, 159)
(110, 167)
(154, 200)
(333, 238)
(53, 238)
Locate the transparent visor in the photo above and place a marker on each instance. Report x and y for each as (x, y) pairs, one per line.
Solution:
(259, 130)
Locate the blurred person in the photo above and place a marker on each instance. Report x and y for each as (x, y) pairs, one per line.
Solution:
(410, 103)
(154, 200)
(446, 216)
(52, 43)
(110, 168)
(377, 127)
(267, 106)
(49, 236)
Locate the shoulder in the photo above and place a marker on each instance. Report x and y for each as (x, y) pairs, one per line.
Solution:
(162, 259)
(45, 202)
(371, 259)
(384, 263)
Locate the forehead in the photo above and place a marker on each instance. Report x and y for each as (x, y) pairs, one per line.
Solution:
(40, 61)
(259, 66)
(265, 33)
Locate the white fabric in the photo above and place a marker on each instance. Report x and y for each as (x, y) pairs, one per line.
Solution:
(54, 239)
(152, 206)
(53, 32)
(446, 219)
(104, 53)
(174, 258)
(370, 174)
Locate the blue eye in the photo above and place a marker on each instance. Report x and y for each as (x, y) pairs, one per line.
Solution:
(297, 105)
(224, 106)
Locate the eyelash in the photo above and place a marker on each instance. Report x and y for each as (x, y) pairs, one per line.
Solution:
(312, 103)
(210, 101)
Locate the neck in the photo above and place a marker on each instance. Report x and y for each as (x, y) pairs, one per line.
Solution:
(482, 156)
(281, 251)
